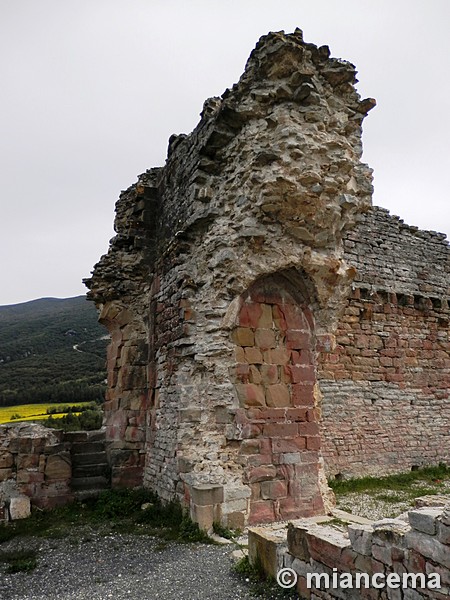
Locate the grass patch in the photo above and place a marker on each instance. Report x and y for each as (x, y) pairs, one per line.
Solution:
(19, 560)
(128, 511)
(400, 482)
(224, 532)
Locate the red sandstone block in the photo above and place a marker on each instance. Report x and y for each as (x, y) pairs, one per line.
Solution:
(255, 374)
(243, 336)
(265, 446)
(295, 317)
(261, 511)
(308, 428)
(251, 431)
(239, 354)
(253, 355)
(292, 508)
(277, 356)
(249, 315)
(261, 473)
(297, 414)
(277, 395)
(259, 460)
(269, 374)
(271, 490)
(278, 318)
(286, 375)
(300, 373)
(282, 430)
(327, 551)
(303, 394)
(265, 320)
(251, 414)
(250, 394)
(297, 340)
(265, 338)
(288, 445)
(313, 442)
(242, 371)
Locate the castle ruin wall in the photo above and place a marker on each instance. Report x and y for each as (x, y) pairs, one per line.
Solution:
(229, 283)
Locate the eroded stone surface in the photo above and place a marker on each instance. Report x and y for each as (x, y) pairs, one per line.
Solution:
(201, 361)
(239, 351)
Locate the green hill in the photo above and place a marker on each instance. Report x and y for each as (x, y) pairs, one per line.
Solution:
(51, 350)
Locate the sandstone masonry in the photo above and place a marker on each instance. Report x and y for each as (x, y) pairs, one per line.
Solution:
(417, 544)
(252, 288)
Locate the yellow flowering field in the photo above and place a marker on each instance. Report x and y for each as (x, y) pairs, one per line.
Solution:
(32, 412)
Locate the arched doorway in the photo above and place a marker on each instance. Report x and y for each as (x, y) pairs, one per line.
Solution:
(275, 382)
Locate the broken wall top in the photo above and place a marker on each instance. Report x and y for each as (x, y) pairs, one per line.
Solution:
(276, 158)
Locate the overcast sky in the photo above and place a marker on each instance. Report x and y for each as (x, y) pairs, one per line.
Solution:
(92, 90)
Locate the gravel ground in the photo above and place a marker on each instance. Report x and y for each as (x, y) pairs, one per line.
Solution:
(90, 566)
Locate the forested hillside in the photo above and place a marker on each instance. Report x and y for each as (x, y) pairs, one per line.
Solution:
(51, 350)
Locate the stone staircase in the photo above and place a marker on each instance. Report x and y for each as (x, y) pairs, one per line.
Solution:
(90, 469)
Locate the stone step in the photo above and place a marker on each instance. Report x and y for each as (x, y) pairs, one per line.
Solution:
(87, 447)
(90, 458)
(82, 495)
(98, 435)
(91, 470)
(89, 483)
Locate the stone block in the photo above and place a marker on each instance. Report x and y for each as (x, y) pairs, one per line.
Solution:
(255, 374)
(361, 538)
(261, 511)
(235, 520)
(232, 493)
(267, 548)
(424, 519)
(204, 516)
(190, 415)
(297, 542)
(277, 395)
(281, 445)
(204, 495)
(265, 338)
(253, 355)
(443, 533)
(58, 467)
(250, 394)
(326, 545)
(19, 508)
(277, 356)
(6, 459)
(429, 547)
(263, 473)
(303, 394)
(5, 474)
(301, 373)
(250, 314)
(271, 490)
(243, 336)
(284, 430)
(297, 340)
(269, 374)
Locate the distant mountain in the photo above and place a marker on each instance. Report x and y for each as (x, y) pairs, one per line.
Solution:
(51, 350)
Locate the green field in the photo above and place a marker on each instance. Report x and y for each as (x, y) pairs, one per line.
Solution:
(33, 412)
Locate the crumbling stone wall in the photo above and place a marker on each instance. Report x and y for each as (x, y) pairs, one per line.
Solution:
(263, 190)
(417, 544)
(36, 462)
(386, 385)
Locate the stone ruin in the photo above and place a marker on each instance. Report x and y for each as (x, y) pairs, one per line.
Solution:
(269, 327)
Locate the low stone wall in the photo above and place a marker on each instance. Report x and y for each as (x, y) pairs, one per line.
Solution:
(36, 461)
(391, 548)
